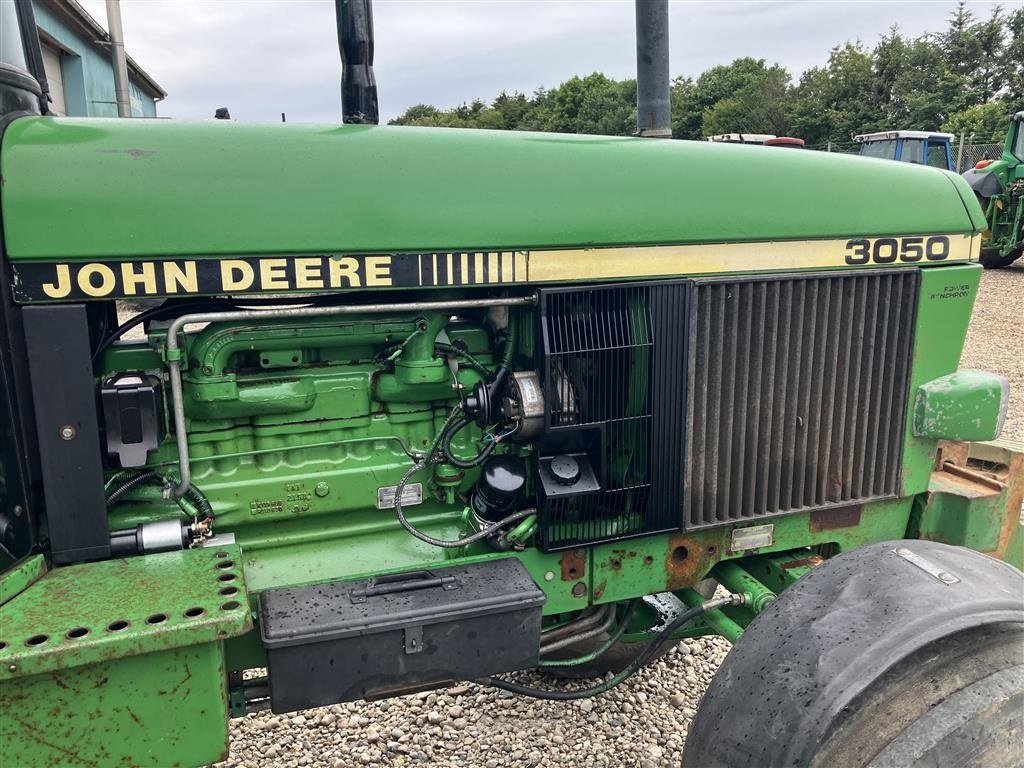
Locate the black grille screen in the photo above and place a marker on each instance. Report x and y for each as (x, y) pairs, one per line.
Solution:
(799, 392)
(612, 354)
(704, 402)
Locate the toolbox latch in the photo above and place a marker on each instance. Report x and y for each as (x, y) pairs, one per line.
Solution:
(413, 639)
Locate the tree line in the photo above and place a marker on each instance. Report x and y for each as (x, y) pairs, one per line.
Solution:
(969, 77)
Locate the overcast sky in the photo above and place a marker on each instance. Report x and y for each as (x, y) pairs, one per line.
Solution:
(264, 57)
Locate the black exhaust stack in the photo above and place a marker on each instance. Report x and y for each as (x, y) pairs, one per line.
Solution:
(653, 108)
(355, 39)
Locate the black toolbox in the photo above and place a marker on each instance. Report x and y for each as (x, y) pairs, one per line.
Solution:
(396, 634)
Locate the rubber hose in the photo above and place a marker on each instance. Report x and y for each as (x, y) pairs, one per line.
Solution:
(131, 484)
(451, 458)
(631, 669)
(199, 501)
(603, 648)
(483, 533)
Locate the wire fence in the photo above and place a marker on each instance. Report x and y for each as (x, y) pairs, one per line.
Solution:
(971, 154)
(963, 157)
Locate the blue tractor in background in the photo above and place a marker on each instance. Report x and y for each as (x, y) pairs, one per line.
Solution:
(921, 147)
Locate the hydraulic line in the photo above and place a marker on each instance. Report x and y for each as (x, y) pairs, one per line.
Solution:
(588, 619)
(603, 648)
(608, 615)
(451, 458)
(473, 362)
(717, 620)
(481, 534)
(652, 650)
(128, 480)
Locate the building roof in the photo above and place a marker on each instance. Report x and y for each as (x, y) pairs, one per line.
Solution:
(73, 13)
(883, 135)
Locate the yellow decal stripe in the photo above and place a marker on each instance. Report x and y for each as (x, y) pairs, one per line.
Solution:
(698, 259)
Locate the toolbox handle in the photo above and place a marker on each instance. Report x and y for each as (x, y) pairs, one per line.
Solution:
(401, 582)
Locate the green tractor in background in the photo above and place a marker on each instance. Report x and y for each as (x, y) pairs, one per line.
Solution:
(417, 406)
(999, 185)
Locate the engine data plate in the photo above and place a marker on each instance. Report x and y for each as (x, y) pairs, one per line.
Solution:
(412, 495)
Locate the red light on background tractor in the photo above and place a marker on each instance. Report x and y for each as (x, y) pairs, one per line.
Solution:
(982, 164)
(784, 141)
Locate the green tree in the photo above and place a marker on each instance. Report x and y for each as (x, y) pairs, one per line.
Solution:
(953, 78)
(592, 104)
(684, 112)
(811, 114)
(739, 80)
(987, 122)
(890, 68)
(1013, 60)
(840, 100)
(925, 92)
(761, 105)
(987, 80)
(514, 109)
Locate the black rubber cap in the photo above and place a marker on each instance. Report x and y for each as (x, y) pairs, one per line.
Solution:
(565, 470)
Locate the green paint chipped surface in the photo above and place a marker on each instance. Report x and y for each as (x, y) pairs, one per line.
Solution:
(164, 709)
(966, 405)
(16, 580)
(97, 612)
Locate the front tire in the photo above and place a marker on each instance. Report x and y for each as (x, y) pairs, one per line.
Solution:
(955, 703)
(903, 653)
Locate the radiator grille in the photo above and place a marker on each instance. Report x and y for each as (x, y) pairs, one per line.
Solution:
(799, 392)
(612, 354)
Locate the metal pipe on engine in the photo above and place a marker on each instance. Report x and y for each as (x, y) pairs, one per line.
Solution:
(173, 349)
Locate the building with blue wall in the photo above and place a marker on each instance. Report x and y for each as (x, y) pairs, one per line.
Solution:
(79, 70)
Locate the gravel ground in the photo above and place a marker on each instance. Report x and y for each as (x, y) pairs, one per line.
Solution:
(995, 339)
(643, 723)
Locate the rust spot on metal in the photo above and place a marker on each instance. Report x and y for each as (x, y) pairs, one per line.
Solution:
(574, 564)
(832, 519)
(966, 473)
(689, 558)
(951, 450)
(599, 589)
(1006, 467)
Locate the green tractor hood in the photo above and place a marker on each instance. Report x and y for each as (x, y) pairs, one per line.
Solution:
(76, 189)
